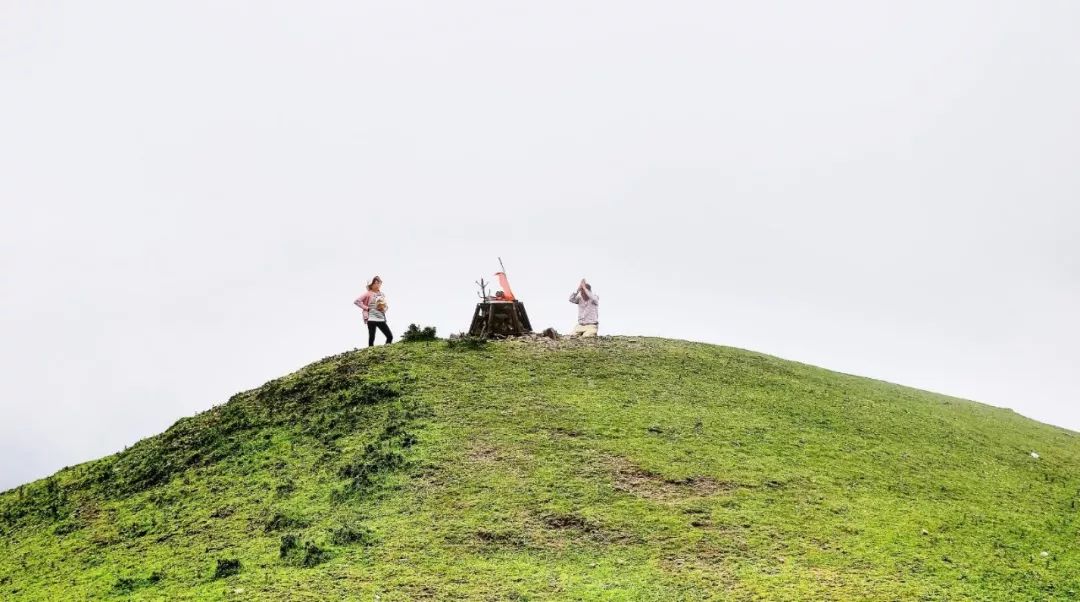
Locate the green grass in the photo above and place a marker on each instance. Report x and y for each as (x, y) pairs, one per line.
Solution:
(618, 469)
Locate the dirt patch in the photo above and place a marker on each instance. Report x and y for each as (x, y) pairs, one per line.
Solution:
(709, 553)
(424, 592)
(483, 453)
(567, 527)
(500, 538)
(705, 564)
(569, 521)
(631, 478)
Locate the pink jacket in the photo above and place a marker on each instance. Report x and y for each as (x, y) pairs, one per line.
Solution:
(363, 302)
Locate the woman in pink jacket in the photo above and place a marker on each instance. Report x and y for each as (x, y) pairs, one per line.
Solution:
(373, 302)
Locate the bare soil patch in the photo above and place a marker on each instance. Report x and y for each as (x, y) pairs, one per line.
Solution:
(566, 527)
(483, 453)
(631, 478)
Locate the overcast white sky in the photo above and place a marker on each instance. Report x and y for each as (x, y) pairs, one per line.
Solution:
(193, 193)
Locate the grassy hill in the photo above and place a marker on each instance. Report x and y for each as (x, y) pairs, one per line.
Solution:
(619, 469)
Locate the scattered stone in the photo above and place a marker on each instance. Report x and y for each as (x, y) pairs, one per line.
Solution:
(553, 340)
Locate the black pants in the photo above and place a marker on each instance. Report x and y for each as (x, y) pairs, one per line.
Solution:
(372, 325)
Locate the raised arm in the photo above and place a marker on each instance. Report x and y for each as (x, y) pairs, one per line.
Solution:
(583, 288)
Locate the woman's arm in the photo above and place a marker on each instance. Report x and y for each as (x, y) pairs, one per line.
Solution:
(363, 302)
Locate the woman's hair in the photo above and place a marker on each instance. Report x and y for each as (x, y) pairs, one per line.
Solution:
(373, 281)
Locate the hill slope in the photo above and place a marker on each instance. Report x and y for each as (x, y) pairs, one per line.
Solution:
(625, 468)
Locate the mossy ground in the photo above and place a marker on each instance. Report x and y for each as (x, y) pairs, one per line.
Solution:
(617, 469)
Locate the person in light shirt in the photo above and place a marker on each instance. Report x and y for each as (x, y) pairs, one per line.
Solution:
(588, 302)
(373, 302)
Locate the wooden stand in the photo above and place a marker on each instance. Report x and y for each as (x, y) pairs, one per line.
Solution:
(498, 319)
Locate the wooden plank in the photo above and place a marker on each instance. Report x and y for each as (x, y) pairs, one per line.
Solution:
(514, 321)
(523, 317)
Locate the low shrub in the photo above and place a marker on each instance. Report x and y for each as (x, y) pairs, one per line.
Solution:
(226, 567)
(416, 334)
(375, 460)
(303, 553)
(349, 534)
(279, 521)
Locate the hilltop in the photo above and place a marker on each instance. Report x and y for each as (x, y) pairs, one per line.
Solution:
(615, 469)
